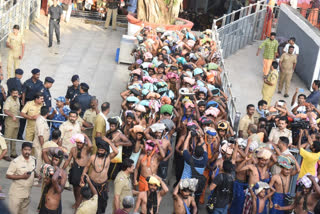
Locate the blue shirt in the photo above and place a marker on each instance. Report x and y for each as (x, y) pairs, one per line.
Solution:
(31, 88)
(14, 83)
(46, 97)
(314, 98)
(84, 100)
(58, 116)
(199, 164)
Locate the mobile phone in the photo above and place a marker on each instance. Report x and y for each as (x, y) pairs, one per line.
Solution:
(29, 173)
(301, 90)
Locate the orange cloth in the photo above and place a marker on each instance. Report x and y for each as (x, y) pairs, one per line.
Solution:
(149, 157)
(313, 16)
(206, 174)
(266, 66)
(143, 184)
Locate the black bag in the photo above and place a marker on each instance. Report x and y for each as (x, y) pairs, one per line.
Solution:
(64, 6)
(210, 204)
(201, 178)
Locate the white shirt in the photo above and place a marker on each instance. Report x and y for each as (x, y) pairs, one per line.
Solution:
(294, 4)
(295, 51)
(301, 109)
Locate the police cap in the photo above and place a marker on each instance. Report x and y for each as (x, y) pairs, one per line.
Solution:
(75, 78)
(84, 85)
(35, 71)
(49, 80)
(19, 71)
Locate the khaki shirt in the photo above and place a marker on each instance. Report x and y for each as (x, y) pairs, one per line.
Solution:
(49, 144)
(14, 107)
(41, 129)
(31, 109)
(80, 121)
(276, 133)
(90, 115)
(88, 207)
(21, 188)
(67, 131)
(256, 116)
(122, 186)
(3, 145)
(287, 61)
(99, 126)
(244, 124)
(16, 41)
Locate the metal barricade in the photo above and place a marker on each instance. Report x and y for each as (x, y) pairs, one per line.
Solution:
(241, 27)
(15, 12)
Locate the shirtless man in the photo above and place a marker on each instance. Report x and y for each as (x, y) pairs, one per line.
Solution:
(157, 131)
(281, 182)
(100, 163)
(51, 196)
(183, 198)
(305, 201)
(80, 154)
(150, 200)
(148, 163)
(257, 172)
(119, 140)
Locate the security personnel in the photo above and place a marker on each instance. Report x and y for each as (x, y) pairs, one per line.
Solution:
(30, 112)
(84, 99)
(16, 43)
(21, 172)
(12, 109)
(73, 90)
(55, 15)
(15, 82)
(48, 81)
(31, 86)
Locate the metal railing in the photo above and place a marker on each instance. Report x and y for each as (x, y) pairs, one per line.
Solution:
(21, 13)
(241, 27)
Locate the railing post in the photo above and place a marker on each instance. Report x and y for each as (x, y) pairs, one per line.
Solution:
(27, 14)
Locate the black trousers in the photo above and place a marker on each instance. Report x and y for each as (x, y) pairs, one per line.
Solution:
(56, 26)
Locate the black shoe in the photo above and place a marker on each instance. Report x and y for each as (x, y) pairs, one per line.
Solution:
(286, 95)
(58, 42)
(279, 92)
(49, 46)
(6, 158)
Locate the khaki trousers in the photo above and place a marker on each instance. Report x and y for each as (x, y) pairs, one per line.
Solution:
(38, 156)
(18, 205)
(285, 79)
(30, 131)
(114, 13)
(12, 61)
(267, 66)
(11, 132)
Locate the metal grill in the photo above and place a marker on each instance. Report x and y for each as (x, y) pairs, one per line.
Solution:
(19, 12)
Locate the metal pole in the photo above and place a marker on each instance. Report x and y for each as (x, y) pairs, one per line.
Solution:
(229, 11)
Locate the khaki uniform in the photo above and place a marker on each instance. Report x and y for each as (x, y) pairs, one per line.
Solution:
(41, 129)
(287, 62)
(80, 121)
(12, 127)
(276, 133)
(268, 90)
(31, 109)
(16, 41)
(244, 124)
(88, 206)
(3, 145)
(19, 192)
(89, 116)
(99, 126)
(122, 186)
(67, 131)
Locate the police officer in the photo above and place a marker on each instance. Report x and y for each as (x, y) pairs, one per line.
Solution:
(73, 90)
(15, 82)
(55, 14)
(84, 98)
(15, 43)
(46, 91)
(31, 86)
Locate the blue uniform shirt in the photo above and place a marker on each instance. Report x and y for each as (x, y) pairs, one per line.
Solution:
(314, 98)
(14, 83)
(58, 116)
(31, 88)
(72, 93)
(84, 100)
(46, 96)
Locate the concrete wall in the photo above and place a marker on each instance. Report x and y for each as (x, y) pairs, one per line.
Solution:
(292, 24)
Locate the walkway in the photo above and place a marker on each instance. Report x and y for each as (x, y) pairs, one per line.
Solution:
(245, 72)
